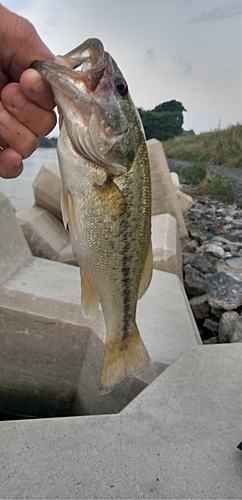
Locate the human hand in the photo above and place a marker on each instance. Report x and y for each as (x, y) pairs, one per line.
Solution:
(27, 102)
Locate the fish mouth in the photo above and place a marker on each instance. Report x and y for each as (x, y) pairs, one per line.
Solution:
(90, 55)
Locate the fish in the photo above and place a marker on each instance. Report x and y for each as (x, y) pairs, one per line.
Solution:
(106, 199)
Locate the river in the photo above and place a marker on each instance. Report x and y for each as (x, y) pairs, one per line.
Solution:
(20, 190)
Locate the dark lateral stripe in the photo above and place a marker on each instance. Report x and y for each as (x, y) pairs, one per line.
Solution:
(126, 282)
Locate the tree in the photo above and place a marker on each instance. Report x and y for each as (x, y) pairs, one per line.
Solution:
(164, 121)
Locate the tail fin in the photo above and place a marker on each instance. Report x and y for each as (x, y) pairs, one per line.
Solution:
(128, 358)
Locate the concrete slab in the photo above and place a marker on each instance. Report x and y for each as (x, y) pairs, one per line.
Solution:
(48, 188)
(52, 289)
(14, 249)
(177, 439)
(50, 369)
(164, 197)
(166, 246)
(44, 232)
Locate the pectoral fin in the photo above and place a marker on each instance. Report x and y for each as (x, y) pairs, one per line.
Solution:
(89, 299)
(147, 273)
(68, 212)
(112, 198)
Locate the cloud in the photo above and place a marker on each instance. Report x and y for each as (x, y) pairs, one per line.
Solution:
(150, 55)
(16, 5)
(224, 11)
(183, 64)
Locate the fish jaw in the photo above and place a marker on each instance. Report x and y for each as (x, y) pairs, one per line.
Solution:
(99, 132)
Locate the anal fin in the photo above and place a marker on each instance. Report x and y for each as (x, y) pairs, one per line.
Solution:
(89, 299)
(128, 358)
(64, 209)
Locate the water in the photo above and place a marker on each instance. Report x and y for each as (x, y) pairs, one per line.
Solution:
(20, 190)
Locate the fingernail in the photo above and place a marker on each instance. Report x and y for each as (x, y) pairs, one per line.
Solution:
(18, 101)
(38, 84)
(4, 116)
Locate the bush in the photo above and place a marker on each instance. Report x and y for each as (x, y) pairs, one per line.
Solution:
(194, 174)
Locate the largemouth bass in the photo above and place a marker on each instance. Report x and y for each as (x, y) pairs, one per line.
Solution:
(106, 200)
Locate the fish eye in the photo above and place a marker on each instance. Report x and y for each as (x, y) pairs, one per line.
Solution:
(121, 86)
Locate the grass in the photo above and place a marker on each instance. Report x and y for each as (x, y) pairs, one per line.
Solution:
(219, 188)
(219, 147)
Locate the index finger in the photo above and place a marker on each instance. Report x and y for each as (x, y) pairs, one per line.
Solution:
(37, 89)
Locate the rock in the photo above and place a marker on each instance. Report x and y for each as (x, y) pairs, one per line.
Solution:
(194, 281)
(217, 230)
(217, 312)
(200, 306)
(202, 263)
(212, 340)
(227, 325)
(224, 292)
(228, 245)
(237, 333)
(188, 245)
(215, 250)
(211, 324)
(232, 267)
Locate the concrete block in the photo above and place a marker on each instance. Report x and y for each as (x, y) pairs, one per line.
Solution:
(164, 197)
(48, 189)
(185, 201)
(175, 180)
(66, 255)
(52, 369)
(176, 439)
(45, 233)
(14, 249)
(52, 289)
(166, 244)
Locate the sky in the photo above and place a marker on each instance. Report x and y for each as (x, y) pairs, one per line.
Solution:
(188, 50)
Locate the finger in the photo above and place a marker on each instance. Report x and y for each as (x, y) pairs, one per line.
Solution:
(35, 118)
(10, 164)
(37, 89)
(16, 135)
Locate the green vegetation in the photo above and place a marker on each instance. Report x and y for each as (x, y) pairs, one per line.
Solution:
(164, 121)
(220, 188)
(220, 147)
(44, 142)
(193, 175)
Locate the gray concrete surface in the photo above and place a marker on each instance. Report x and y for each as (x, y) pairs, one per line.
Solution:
(48, 188)
(45, 233)
(164, 196)
(14, 249)
(52, 369)
(166, 245)
(52, 289)
(176, 440)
